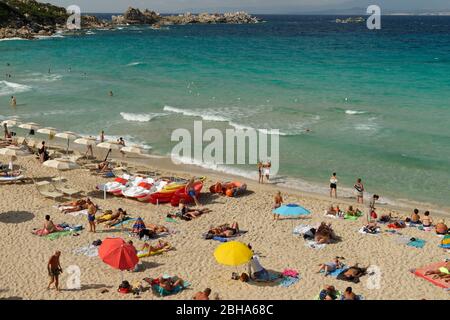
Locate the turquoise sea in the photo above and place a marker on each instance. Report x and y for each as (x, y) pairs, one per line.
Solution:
(377, 103)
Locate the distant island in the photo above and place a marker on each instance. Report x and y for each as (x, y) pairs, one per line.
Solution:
(29, 19)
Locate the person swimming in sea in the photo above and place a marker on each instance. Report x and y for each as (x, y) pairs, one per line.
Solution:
(110, 93)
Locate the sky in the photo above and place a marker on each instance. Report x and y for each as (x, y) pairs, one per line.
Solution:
(253, 6)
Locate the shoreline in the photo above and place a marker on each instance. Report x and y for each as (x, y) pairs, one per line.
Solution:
(156, 162)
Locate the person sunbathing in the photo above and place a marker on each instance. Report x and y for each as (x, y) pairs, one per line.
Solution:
(331, 266)
(328, 293)
(440, 273)
(49, 226)
(160, 246)
(106, 216)
(352, 274)
(119, 216)
(332, 211)
(225, 231)
(371, 228)
(188, 214)
(77, 205)
(441, 228)
(157, 228)
(170, 283)
(427, 221)
(349, 294)
(324, 233)
(415, 217)
(14, 173)
(353, 212)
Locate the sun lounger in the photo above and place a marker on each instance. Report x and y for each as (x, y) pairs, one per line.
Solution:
(46, 189)
(12, 179)
(61, 186)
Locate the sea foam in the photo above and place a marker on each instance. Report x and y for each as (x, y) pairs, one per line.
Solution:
(8, 88)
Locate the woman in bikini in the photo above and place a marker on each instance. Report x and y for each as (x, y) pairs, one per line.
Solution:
(122, 216)
(225, 231)
(75, 206)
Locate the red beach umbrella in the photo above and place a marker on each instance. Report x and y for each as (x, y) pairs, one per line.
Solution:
(118, 254)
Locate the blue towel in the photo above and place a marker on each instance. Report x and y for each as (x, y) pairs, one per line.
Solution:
(288, 281)
(336, 272)
(220, 239)
(418, 243)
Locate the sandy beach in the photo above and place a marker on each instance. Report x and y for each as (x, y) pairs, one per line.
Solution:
(24, 255)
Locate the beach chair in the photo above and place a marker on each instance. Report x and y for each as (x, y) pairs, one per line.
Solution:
(48, 190)
(61, 185)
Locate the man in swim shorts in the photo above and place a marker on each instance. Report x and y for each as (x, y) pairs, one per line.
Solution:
(54, 270)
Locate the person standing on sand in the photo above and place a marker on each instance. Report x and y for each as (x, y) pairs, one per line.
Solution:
(102, 136)
(260, 173)
(54, 270)
(267, 170)
(5, 126)
(278, 201)
(92, 210)
(13, 101)
(333, 185)
(190, 191)
(359, 191)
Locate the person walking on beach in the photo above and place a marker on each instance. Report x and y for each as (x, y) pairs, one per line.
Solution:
(333, 185)
(102, 136)
(267, 170)
(359, 191)
(5, 127)
(260, 173)
(13, 101)
(54, 270)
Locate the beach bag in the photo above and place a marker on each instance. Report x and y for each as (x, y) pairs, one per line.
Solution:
(373, 215)
(97, 243)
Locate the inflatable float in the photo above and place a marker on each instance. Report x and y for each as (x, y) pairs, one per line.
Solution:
(230, 189)
(175, 191)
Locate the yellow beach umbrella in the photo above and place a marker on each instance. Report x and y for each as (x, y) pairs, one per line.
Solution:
(233, 253)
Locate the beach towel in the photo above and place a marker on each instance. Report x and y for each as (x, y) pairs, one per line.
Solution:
(171, 220)
(422, 228)
(352, 218)
(44, 232)
(126, 221)
(336, 272)
(290, 277)
(78, 213)
(57, 235)
(314, 245)
(362, 230)
(418, 243)
(224, 239)
(301, 229)
(420, 272)
(273, 276)
(89, 251)
(163, 292)
(403, 240)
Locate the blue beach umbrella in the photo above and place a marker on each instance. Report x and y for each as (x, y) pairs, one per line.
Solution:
(291, 210)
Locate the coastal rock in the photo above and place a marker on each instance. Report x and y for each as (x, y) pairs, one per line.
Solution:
(136, 16)
(92, 22)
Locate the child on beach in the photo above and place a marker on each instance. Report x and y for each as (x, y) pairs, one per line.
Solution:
(260, 173)
(278, 201)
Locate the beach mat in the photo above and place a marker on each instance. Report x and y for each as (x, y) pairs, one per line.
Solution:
(420, 272)
(57, 235)
(418, 243)
(336, 272)
(89, 251)
(371, 234)
(314, 245)
(287, 281)
(78, 213)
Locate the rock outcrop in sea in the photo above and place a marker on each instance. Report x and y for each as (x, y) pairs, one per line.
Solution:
(29, 19)
(135, 16)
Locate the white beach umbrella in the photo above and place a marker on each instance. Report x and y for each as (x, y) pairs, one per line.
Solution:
(48, 131)
(61, 164)
(32, 143)
(132, 149)
(67, 135)
(110, 145)
(87, 141)
(12, 151)
(10, 122)
(29, 126)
